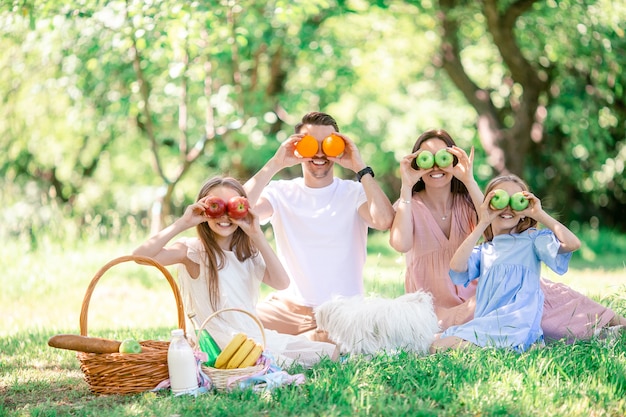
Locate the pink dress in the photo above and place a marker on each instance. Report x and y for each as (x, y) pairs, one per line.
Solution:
(566, 313)
(428, 262)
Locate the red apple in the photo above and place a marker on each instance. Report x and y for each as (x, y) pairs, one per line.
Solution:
(216, 207)
(238, 207)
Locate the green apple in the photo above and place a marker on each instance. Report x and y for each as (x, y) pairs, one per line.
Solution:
(500, 199)
(130, 346)
(518, 201)
(425, 160)
(443, 158)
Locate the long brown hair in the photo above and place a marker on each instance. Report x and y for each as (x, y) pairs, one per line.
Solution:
(456, 186)
(525, 223)
(240, 244)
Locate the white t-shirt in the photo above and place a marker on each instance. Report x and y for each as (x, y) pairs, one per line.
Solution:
(320, 238)
(239, 284)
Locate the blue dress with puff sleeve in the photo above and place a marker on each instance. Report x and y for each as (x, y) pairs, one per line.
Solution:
(509, 302)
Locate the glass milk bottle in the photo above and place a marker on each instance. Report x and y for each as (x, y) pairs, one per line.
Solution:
(181, 364)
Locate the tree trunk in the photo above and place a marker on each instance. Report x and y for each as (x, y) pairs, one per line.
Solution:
(506, 144)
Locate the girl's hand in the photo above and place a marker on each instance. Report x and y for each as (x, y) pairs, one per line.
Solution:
(250, 224)
(195, 213)
(534, 209)
(464, 169)
(486, 213)
(408, 174)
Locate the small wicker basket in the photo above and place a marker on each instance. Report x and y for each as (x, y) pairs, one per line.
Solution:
(223, 379)
(117, 373)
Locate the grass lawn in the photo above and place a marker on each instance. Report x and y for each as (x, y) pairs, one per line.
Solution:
(42, 296)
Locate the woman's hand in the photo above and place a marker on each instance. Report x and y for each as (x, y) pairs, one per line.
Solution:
(464, 169)
(408, 174)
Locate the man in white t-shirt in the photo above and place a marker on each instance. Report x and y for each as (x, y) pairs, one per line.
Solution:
(320, 225)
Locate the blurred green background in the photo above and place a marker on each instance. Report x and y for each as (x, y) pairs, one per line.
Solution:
(114, 112)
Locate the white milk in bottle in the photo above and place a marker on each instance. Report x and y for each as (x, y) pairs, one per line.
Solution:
(181, 364)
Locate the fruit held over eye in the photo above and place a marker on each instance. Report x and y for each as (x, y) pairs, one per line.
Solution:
(443, 158)
(333, 145)
(500, 199)
(238, 207)
(425, 160)
(518, 201)
(307, 146)
(216, 207)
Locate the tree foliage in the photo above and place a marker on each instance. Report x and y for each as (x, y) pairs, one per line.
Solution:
(112, 109)
(546, 81)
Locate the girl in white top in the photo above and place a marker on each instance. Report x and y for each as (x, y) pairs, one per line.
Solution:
(223, 268)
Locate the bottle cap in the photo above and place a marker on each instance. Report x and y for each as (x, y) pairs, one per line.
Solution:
(178, 332)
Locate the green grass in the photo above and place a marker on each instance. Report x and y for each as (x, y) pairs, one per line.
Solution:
(588, 378)
(42, 296)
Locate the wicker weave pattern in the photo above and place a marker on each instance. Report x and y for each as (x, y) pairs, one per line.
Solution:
(221, 378)
(117, 373)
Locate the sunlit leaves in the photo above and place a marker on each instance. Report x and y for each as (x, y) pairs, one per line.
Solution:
(587, 114)
(219, 73)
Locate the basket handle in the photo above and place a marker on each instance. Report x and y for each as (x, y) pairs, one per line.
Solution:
(144, 260)
(252, 316)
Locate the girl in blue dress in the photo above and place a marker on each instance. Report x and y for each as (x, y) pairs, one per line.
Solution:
(509, 302)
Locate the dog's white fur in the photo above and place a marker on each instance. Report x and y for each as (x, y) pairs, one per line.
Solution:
(367, 325)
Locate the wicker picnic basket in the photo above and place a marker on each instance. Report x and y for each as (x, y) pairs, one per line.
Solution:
(118, 373)
(222, 378)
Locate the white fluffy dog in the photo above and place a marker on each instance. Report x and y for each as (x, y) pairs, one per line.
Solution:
(369, 325)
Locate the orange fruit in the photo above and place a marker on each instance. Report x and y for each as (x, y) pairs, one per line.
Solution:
(333, 145)
(307, 146)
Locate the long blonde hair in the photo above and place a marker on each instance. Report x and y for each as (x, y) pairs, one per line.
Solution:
(240, 244)
(525, 223)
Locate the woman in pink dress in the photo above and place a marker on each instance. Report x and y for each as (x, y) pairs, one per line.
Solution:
(435, 213)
